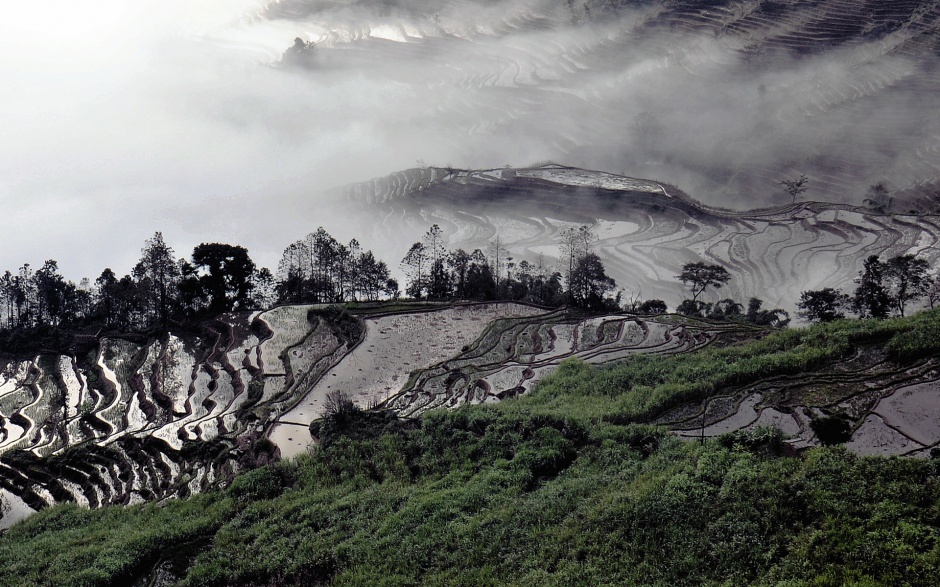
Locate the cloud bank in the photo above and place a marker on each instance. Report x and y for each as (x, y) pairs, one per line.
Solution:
(122, 118)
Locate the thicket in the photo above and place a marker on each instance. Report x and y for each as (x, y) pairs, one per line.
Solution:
(561, 487)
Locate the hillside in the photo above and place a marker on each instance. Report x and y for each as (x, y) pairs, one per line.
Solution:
(646, 230)
(561, 486)
(494, 373)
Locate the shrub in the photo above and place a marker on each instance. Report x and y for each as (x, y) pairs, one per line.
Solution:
(767, 440)
(264, 483)
(831, 429)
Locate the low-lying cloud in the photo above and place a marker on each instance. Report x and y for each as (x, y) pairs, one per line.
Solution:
(120, 119)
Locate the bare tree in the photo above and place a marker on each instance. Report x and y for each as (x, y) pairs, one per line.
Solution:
(338, 404)
(795, 187)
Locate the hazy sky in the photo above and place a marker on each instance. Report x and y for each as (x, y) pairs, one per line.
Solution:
(120, 118)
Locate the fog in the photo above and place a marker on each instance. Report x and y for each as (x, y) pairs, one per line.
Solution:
(121, 118)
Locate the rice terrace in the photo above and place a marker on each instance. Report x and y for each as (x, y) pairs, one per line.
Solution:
(583, 292)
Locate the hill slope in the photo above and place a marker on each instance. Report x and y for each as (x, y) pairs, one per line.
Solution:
(557, 487)
(646, 230)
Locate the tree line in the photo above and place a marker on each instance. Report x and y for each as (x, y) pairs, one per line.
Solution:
(434, 272)
(40, 307)
(883, 289)
(160, 290)
(700, 277)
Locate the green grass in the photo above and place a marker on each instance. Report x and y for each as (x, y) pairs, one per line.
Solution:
(557, 488)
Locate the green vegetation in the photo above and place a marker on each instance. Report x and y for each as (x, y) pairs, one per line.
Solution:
(563, 487)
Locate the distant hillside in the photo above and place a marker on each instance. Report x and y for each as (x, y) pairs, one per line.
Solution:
(647, 230)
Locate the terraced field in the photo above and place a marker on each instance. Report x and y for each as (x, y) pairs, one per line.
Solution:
(892, 409)
(140, 420)
(647, 230)
(514, 354)
(133, 420)
(394, 347)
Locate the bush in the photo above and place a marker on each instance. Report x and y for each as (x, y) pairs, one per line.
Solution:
(831, 429)
(264, 483)
(766, 440)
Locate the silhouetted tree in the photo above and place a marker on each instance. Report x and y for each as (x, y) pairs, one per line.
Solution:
(576, 244)
(700, 276)
(824, 305)
(795, 187)
(652, 307)
(590, 283)
(157, 274)
(933, 293)
(414, 264)
(878, 199)
(775, 318)
(439, 282)
(372, 277)
(905, 280)
(300, 54)
(225, 275)
(727, 309)
(480, 282)
(264, 289)
(459, 262)
(694, 308)
(871, 299)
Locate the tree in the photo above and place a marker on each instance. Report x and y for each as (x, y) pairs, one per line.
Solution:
(433, 241)
(824, 305)
(652, 307)
(439, 282)
(372, 276)
(775, 318)
(831, 430)
(300, 54)
(871, 299)
(157, 274)
(576, 243)
(878, 199)
(480, 282)
(906, 280)
(726, 309)
(750, 52)
(459, 262)
(701, 276)
(226, 276)
(933, 292)
(414, 262)
(590, 283)
(264, 290)
(694, 309)
(55, 297)
(795, 187)
(7, 295)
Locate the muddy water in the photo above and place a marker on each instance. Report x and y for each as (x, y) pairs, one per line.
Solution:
(13, 509)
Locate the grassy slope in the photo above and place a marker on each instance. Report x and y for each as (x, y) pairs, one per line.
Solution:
(556, 488)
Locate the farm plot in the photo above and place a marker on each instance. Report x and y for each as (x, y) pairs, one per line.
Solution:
(140, 403)
(393, 348)
(913, 411)
(289, 326)
(514, 354)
